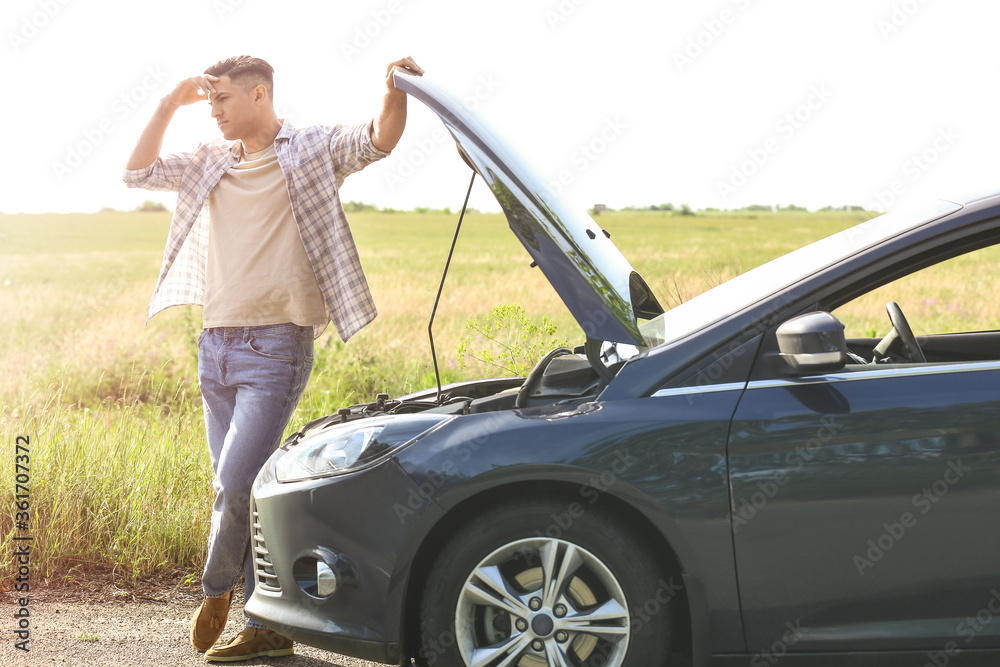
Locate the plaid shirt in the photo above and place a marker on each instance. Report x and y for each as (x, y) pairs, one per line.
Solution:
(315, 162)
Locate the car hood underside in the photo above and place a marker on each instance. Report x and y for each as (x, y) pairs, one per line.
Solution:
(597, 284)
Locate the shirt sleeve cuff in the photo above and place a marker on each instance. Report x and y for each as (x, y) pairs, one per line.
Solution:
(373, 152)
(137, 176)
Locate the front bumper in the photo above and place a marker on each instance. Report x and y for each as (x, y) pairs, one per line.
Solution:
(359, 524)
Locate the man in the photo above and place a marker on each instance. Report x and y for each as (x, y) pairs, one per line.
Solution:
(260, 239)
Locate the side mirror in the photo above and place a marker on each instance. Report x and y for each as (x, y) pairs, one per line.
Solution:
(813, 343)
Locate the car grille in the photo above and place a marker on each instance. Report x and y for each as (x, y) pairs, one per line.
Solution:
(266, 578)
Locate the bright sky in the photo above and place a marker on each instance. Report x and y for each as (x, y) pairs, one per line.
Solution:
(718, 103)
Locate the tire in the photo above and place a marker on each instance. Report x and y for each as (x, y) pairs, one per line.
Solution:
(485, 593)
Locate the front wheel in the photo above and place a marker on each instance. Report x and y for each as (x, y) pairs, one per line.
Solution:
(537, 584)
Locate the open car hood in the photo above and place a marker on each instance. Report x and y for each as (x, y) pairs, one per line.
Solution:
(598, 285)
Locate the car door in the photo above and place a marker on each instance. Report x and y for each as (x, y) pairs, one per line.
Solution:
(865, 502)
(866, 509)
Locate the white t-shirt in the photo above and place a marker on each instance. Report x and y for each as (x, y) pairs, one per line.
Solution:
(258, 271)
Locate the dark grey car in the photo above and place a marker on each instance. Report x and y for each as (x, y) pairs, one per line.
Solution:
(729, 482)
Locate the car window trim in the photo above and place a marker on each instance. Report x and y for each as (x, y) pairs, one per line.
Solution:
(914, 370)
(700, 389)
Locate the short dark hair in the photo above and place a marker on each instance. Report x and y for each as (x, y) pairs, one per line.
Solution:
(246, 71)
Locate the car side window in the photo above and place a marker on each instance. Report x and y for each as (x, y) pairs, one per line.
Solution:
(940, 303)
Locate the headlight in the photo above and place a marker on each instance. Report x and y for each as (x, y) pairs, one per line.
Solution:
(345, 447)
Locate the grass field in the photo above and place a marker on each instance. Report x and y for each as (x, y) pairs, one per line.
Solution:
(119, 474)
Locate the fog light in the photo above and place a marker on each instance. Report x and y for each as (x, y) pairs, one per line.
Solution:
(322, 572)
(326, 579)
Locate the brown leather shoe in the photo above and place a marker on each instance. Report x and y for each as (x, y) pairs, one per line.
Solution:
(251, 643)
(209, 621)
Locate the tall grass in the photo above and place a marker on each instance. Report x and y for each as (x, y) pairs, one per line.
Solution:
(120, 475)
(123, 483)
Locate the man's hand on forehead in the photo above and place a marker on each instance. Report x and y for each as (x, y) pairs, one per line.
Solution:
(193, 89)
(206, 84)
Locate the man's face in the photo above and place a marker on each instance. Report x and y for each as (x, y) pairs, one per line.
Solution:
(234, 109)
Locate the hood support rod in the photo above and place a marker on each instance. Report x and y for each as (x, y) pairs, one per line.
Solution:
(430, 325)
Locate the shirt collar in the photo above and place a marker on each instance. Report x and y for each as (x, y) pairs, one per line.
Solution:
(285, 133)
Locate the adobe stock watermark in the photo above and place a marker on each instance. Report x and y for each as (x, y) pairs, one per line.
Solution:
(786, 127)
(895, 531)
(795, 460)
(656, 603)
(914, 168)
(224, 7)
(121, 108)
(587, 153)
(426, 147)
(433, 649)
(562, 11)
(771, 655)
(967, 630)
(899, 15)
(711, 30)
(32, 24)
(366, 33)
(419, 498)
(590, 491)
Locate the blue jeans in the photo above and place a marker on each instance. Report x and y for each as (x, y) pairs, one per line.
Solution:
(251, 380)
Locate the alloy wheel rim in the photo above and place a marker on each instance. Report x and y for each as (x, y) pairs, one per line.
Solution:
(542, 602)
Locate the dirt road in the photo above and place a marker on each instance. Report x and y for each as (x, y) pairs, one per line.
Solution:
(80, 634)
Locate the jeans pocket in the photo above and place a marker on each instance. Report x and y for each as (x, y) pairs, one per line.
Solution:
(280, 347)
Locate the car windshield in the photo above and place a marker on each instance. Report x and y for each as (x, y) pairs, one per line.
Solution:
(768, 279)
